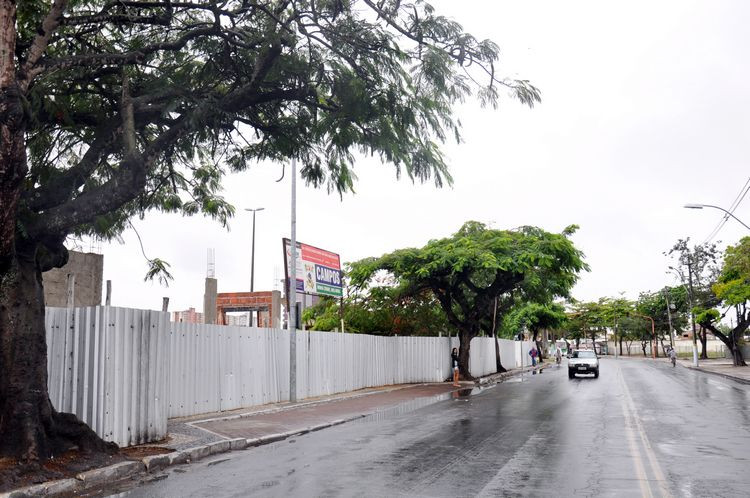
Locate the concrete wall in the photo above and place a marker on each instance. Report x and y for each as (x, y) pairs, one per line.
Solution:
(87, 268)
(713, 347)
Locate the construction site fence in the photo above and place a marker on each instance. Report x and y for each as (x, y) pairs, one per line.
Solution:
(126, 371)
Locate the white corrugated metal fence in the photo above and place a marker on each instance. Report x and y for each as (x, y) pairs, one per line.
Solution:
(125, 371)
(109, 366)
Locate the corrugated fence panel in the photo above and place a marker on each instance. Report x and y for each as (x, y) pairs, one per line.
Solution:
(109, 367)
(125, 371)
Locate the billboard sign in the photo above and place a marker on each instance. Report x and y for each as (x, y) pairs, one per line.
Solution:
(318, 271)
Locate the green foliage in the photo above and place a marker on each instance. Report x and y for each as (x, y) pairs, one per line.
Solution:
(139, 107)
(381, 312)
(478, 272)
(654, 304)
(733, 285)
(157, 269)
(534, 317)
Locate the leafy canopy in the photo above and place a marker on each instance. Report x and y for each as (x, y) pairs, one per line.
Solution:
(133, 106)
(733, 285)
(479, 271)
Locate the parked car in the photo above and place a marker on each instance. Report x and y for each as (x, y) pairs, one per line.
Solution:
(583, 362)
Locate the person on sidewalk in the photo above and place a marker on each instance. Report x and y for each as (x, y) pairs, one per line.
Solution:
(533, 353)
(673, 356)
(454, 363)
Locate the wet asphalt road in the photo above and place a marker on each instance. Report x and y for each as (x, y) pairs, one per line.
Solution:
(642, 428)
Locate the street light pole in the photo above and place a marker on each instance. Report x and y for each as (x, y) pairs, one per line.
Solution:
(701, 206)
(293, 293)
(692, 313)
(690, 303)
(252, 259)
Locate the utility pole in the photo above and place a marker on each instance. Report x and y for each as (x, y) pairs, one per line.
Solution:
(293, 293)
(692, 313)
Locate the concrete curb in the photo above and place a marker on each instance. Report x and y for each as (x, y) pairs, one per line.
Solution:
(720, 374)
(504, 375)
(49, 488)
(82, 481)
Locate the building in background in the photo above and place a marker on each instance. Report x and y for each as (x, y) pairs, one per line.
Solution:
(86, 269)
(237, 320)
(187, 316)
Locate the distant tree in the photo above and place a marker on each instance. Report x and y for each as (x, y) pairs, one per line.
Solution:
(380, 312)
(478, 274)
(587, 319)
(655, 304)
(613, 310)
(698, 270)
(109, 109)
(535, 317)
(733, 290)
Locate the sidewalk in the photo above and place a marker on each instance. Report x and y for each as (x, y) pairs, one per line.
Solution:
(720, 366)
(273, 422)
(280, 420)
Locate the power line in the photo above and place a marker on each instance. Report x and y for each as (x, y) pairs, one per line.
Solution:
(737, 201)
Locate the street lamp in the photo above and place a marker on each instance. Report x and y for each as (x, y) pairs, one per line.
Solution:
(690, 298)
(701, 206)
(252, 259)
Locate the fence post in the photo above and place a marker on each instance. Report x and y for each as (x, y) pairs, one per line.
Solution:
(70, 299)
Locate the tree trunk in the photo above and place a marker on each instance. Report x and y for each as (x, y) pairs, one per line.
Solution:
(621, 347)
(498, 363)
(538, 346)
(704, 343)
(663, 346)
(732, 342)
(31, 430)
(593, 340)
(465, 337)
(737, 359)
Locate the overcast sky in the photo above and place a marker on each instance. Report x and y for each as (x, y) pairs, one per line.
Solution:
(645, 108)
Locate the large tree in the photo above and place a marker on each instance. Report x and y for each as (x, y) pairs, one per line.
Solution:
(733, 289)
(109, 109)
(478, 274)
(697, 269)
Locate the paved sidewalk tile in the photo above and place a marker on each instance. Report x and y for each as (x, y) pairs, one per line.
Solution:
(294, 419)
(723, 367)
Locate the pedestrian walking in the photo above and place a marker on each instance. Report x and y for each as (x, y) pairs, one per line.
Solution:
(673, 356)
(454, 363)
(533, 353)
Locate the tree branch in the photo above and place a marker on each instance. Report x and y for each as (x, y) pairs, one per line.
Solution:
(39, 45)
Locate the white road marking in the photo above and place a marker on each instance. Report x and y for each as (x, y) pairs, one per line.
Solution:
(632, 421)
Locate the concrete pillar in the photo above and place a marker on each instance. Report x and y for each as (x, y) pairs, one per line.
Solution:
(275, 309)
(209, 301)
